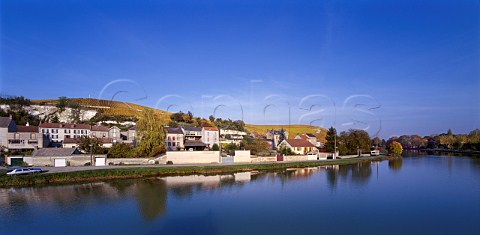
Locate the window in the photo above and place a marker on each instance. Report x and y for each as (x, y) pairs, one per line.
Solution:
(169, 138)
(169, 144)
(173, 138)
(178, 143)
(33, 136)
(173, 144)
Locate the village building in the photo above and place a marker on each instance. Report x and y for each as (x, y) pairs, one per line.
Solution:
(174, 140)
(298, 146)
(210, 136)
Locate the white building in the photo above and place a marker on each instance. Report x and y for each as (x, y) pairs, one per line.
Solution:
(210, 136)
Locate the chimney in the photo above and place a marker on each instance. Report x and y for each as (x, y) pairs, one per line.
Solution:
(10, 116)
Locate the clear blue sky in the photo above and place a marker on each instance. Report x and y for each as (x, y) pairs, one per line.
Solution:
(391, 67)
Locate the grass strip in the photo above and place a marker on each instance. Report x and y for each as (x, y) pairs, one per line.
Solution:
(143, 172)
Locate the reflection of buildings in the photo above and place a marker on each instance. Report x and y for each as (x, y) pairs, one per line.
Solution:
(150, 194)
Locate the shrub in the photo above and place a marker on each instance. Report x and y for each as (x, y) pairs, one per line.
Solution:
(395, 148)
(169, 163)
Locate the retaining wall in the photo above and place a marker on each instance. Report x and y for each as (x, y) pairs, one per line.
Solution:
(193, 157)
(242, 156)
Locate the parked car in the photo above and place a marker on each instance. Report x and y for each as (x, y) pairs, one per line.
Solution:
(24, 171)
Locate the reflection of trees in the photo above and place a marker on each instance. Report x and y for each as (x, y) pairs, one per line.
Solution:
(151, 198)
(358, 173)
(395, 164)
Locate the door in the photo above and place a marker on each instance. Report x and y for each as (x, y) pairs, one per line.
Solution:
(60, 162)
(100, 161)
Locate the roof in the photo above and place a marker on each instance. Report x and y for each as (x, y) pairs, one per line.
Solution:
(55, 152)
(174, 130)
(71, 140)
(194, 143)
(299, 143)
(77, 140)
(192, 128)
(311, 135)
(27, 129)
(209, 128)
(100, 128)
(5, 121)
(65, 125)
(132, 128)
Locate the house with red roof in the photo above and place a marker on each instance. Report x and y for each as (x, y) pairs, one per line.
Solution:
(298, 146)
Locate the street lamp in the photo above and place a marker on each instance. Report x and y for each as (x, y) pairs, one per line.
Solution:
(91, 154)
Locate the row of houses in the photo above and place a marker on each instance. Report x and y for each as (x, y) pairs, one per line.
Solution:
(66, 135)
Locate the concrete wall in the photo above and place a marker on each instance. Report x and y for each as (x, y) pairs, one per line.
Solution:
(295, 158)
(79, 160)
(242, 156)
(130, 161)
(263, 159)
(194, 157)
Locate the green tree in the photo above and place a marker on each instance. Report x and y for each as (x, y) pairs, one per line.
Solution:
(256, 146)
(330, 139)
(357, 141)
(62, 103)
(215, 147)
(151, 133)
(91, 145)
(395, 149)
(121, 150)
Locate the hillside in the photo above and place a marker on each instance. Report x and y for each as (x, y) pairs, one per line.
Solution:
(107, 107)
(293, 130)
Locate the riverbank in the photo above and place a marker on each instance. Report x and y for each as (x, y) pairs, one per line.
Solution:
(84, 176)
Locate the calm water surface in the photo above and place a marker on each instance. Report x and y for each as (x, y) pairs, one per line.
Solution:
(418, 194)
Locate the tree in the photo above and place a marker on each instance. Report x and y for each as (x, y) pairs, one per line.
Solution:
(91, 145)
(121, 150)
(151, 133)
(330, 138)
(376, 141)
(211, 118)
(255, 145)
(62, 103)
(357, 141)
(395, 149)
(215, 147)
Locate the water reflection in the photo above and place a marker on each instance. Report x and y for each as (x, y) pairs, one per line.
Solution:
(395, 164)
(355, 173)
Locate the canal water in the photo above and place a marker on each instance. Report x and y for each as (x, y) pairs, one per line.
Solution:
(419, 194)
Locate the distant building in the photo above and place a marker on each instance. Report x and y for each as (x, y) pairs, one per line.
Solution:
(276, 136)
(175, 139)
(6, 125)
(210, 136)
(298, 146)
(310, 138)
(192, 133)
(231, 136)
(25, 137)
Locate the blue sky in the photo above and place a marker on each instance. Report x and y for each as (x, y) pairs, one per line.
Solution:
(390, 67)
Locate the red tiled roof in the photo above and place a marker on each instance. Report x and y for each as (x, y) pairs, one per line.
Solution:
(299, 143)
(100, 128)
(209, 128)
(33, 129)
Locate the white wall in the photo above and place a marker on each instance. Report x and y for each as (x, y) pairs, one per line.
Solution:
(194, 157)
(242, 156)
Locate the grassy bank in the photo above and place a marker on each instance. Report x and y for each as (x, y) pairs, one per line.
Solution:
(131, 173)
